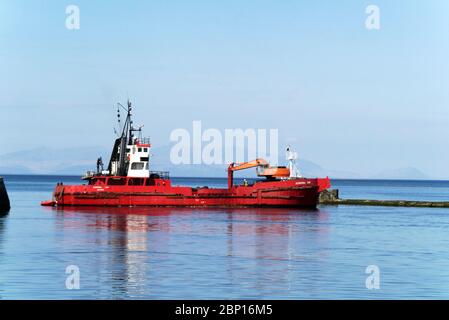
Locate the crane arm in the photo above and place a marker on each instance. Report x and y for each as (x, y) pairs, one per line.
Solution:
(247, 165)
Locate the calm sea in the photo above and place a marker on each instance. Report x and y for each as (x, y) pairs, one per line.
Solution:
(167, 253)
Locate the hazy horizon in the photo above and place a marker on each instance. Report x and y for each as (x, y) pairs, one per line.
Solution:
(76, 161)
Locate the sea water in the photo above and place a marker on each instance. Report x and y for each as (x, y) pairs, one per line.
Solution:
(186, 253)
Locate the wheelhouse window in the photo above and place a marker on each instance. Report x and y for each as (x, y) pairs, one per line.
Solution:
(137, 166)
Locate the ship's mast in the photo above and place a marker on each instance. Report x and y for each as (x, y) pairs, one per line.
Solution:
(125, 138)
(119, 162)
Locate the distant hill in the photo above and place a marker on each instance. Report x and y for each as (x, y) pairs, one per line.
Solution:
(161, 161)
(76, 161)
(14, 170)
(410, 173)
(51, 160)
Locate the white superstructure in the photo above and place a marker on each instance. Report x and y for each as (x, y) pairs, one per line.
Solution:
(138, 156)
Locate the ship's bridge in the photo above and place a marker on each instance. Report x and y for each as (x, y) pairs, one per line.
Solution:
(138, 155)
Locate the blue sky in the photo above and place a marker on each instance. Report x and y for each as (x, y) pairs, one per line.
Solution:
(345, 97)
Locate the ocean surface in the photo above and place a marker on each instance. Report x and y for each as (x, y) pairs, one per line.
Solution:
(168, 253)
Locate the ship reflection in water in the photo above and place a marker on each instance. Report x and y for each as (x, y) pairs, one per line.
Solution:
(189, 253)
(146, 252)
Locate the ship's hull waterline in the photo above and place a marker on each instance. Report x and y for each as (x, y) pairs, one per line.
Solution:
(287, 193)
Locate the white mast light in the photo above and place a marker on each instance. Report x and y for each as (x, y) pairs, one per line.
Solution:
(292, 157)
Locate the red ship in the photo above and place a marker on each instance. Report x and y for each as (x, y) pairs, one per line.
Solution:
(128, 181)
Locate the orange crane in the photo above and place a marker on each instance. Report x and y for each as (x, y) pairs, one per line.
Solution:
(263, 169)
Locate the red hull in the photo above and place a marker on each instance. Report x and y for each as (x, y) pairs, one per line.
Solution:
(281, 193)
